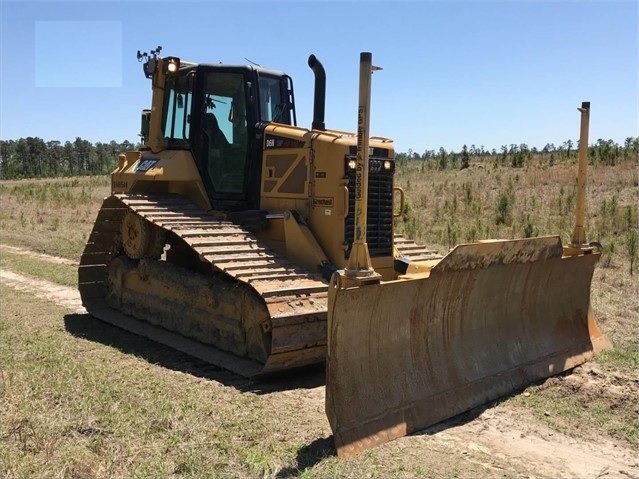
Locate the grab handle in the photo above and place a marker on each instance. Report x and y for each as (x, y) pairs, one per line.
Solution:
(401, 201)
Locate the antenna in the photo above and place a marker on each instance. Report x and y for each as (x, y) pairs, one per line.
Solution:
(252, 63)
(144, 56)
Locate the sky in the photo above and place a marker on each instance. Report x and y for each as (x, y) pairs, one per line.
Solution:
(475, 72)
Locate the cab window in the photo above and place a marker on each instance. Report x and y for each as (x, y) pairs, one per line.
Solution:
(178, 101)
(273, 104)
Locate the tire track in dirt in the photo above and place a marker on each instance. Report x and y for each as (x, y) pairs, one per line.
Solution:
(58, 294)
(501, 439)
(512, 436)
(33, 254)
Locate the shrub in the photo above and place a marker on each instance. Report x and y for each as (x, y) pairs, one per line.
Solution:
(472, 234)
(607, 253)
(452, 233)
(468, 193)
(504, 207)
(529, 230)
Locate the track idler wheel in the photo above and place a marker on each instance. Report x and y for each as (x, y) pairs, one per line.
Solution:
(141, 238)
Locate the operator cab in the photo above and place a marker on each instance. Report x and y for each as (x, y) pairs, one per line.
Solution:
(219, 113)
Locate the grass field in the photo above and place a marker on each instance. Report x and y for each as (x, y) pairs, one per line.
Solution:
(83, 399)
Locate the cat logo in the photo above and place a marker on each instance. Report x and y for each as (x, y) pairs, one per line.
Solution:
(146, 164)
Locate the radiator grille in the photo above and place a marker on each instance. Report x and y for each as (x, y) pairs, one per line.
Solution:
(379, 230)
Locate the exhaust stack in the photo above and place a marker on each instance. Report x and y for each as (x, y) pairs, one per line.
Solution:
(319, 101)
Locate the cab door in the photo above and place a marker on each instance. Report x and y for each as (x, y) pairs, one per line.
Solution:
(224, 128)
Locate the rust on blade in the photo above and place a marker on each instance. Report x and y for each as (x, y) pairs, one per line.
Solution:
(489, 318)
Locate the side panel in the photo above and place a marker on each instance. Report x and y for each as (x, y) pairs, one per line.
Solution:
(166, 172)
(489, 319)
(329, 199)
(285, 169)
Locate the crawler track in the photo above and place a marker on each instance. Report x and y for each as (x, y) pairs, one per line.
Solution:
(412, 251)
(221, 295)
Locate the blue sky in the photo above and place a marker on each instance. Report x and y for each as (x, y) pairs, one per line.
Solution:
(454, 73)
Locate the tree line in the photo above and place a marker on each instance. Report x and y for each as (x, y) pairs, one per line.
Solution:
(32, 157)
(605, 152)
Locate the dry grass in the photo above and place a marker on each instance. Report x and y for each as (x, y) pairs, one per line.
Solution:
(53, 216)
(80, 398)
(465, 201)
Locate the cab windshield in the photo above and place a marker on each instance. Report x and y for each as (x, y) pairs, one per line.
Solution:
(273, 104)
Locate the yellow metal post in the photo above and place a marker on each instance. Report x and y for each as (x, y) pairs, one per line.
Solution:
(579, 233)
(359, 262)
(156, 136)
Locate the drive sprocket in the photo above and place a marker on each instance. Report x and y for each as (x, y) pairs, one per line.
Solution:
(140, 238)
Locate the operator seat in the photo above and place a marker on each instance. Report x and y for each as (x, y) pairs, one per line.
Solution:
(217, 139)
(217, 150)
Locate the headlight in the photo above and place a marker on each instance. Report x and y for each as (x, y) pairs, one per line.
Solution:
(387, 165)
(172, 64)
(352, 164)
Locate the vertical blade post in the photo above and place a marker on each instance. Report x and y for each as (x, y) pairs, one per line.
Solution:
(579, 233)
(359, 264)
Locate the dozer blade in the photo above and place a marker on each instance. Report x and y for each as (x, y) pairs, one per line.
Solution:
(487, 320)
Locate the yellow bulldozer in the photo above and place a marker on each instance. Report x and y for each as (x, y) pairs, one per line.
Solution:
(260, 246)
